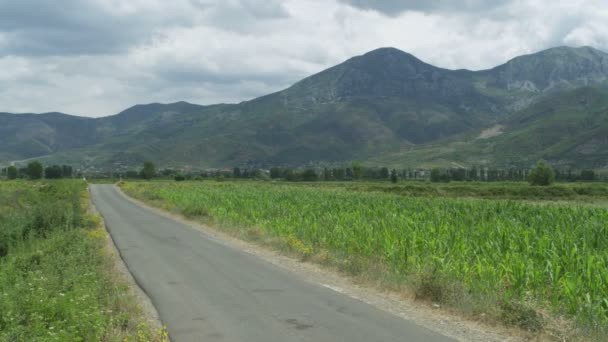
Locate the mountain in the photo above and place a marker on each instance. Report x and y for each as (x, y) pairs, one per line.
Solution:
(569, 128)
(554, 69)
(25, 136)
(32, 135)
(384, 106)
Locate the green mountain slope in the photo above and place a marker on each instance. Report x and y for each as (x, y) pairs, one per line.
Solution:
(385, 106)
(32, 135)
(25, 136)
(568, 128)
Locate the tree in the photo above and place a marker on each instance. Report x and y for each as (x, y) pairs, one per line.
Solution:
(338, 174)
(309, 175)
(236, 172)
(435, 175)
(357, 170)
(290, 175)
(384, 173)
(53, 172)
(275, 173)
(458, 174)
(473, 173)
(394, 177)
(326, 174)
(35, 170)
(11, 172)
(348, 174)
(66, 171)
(149, 170)
(542, 174)
(588, 175)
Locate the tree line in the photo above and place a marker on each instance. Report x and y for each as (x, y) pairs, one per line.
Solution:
(35, 170)
(480, 174)
(354, 172)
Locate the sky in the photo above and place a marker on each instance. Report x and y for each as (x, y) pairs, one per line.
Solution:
(99, 57)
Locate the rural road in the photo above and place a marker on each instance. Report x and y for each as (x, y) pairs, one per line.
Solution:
(207, 291)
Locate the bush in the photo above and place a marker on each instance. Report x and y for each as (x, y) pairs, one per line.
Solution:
(542, 174)
(180, 178)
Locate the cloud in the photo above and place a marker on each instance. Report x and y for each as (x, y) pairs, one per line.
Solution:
(97, 57)
(74, 27)
(396, 7)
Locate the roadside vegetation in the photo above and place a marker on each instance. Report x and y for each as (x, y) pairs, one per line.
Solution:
(57, 280)
(516, 262)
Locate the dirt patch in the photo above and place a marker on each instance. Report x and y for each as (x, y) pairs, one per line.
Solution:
(491, 132)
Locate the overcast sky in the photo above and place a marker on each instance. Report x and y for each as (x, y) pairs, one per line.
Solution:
(98, 57)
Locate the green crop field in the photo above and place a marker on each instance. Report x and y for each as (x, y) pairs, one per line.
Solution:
(510, 259)
(56, 280)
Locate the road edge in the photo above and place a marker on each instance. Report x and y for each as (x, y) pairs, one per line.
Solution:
(149, 311)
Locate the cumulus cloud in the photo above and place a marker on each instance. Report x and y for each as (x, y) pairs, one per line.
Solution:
(97, 57)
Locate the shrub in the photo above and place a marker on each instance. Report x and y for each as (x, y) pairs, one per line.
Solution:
(542, 174)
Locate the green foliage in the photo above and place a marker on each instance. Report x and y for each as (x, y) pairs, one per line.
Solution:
(310, 175)
(327, 176)
(394, 176)
(53, 172)
(35, 170)
(56, 283)
(499, 253)
(588, 175)
(542, 174)
(148, 171)
(384, 173)
(276, 173)
(357, 170)
(11, 172)
(437, 175)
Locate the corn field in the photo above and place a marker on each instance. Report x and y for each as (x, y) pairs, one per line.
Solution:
(553, 255)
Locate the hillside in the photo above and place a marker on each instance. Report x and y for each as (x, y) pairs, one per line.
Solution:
(569, 128)
(385, 106)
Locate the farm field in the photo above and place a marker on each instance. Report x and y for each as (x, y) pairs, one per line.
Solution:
(57, 281)
(518, 262)
(591, 193)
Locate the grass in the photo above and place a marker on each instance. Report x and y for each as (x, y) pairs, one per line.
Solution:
(57, 281)
(507, 259)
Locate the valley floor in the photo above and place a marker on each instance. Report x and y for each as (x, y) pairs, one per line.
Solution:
(535, 267)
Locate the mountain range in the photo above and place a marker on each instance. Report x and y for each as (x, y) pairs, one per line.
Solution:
(385, 107)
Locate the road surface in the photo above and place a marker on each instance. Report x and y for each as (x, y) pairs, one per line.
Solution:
(207, 291)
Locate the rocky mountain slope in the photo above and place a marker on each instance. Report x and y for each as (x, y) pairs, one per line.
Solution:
(384, 106)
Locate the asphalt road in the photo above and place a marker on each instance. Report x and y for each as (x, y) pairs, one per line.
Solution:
(207, 291)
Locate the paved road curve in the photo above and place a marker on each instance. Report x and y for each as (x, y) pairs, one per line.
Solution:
(206, 291)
